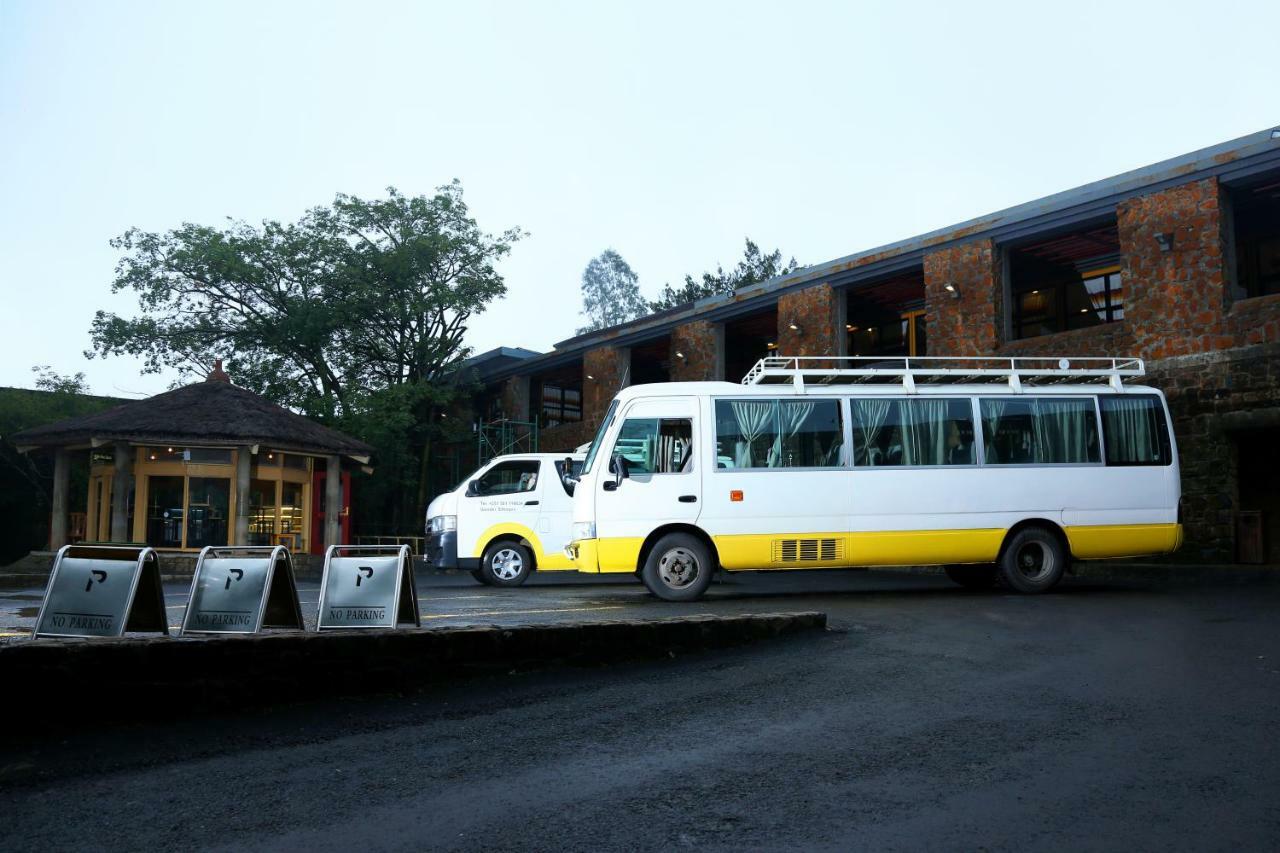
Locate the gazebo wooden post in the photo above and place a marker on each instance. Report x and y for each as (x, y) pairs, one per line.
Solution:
(120, 483)
(243, 455)
(333, 502)
(58, 516)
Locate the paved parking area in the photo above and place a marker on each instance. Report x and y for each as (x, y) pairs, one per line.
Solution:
(450, 599)
(1102, 717)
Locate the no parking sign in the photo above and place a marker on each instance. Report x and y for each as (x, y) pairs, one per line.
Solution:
(367, 587)
(241, 590)
(103, 591)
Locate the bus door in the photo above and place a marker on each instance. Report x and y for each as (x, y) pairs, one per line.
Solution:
(662, 482)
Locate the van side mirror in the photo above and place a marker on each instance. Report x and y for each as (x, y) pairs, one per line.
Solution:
(569, 476)
(473, 488)
(621, 470)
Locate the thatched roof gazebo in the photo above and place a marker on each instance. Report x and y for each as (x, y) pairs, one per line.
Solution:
(193, 460)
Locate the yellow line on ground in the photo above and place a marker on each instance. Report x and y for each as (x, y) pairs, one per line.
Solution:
(517, 612)
(15, 633)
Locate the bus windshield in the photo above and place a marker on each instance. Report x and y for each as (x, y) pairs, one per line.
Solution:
(599, 437)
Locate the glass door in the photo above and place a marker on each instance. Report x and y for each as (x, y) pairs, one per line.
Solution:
(164, 512)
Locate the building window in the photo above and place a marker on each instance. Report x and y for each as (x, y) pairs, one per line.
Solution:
(1255, 213)
(1070, 281)
(561, 404)
(904, 335)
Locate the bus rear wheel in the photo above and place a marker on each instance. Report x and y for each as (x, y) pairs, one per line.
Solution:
(1033, 560)
(973, 577)
(678, 568)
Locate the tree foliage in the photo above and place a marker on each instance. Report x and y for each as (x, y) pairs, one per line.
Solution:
(610, 292)
(354, 314)
(755, 266)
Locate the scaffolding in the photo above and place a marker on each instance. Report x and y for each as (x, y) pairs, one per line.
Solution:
(501, 437)
(801, 371)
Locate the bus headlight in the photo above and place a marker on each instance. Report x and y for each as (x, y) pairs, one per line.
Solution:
(584, 530)
(441, 523)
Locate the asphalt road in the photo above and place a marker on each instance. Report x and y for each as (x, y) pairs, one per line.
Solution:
(1102, 717)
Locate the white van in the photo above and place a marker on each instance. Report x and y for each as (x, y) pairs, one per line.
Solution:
(509, 518)
(995, 468)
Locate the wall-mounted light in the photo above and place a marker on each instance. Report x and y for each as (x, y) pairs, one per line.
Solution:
(795, 328)
(849, 327)
(679, 354)
(952, 289)
(592, 378)
(771, 345)
(1164, 239)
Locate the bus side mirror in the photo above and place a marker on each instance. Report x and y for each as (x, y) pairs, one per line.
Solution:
(621, 470)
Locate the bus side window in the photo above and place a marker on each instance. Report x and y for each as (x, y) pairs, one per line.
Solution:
(1040, 430)
(1134, 430)
(889, 432)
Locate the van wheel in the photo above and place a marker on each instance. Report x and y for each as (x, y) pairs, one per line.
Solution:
(1033, 560)
(479, 575)
(678, 568)
(973, 577)
(506, 564)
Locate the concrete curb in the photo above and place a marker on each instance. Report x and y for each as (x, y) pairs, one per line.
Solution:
(157, 678)
(1159, 574)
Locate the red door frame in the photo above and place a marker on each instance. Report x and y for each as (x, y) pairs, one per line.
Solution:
(318, 510)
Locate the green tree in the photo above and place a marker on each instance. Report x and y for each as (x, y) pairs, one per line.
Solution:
(610, 292)
(358, 307)
(754, 267)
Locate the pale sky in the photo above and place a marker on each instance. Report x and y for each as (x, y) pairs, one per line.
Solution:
(668, 131)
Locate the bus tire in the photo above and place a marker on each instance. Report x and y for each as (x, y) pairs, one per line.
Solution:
(479, 575)
(982, 576)
(678, 568)
(1033, 560)
(506, 563)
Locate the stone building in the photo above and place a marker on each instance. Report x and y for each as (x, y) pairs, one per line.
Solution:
(204, 464)
(1177, 263)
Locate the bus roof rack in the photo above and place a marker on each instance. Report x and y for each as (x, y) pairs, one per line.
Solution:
(906, 370)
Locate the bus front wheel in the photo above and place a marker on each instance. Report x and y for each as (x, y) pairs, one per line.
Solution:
(973, 577)
(1033, 560)
(678, 568)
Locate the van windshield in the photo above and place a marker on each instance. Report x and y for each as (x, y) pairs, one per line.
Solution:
(595, 442)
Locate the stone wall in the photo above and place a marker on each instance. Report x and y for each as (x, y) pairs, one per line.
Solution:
(515, 398)
(701, 344)
(603, 370)
(970, 323)
(815, 310)
(1176, 300)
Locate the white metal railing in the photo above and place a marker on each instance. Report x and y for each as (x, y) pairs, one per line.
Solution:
(1032, 370)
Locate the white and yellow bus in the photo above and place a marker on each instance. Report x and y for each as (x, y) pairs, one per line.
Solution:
(997, 469)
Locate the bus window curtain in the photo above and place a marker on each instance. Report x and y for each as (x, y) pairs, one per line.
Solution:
(753, 419)
(791, 416)
(925, 435)
(869, 416)
(992, 411)
(1062, 430)
(1129, 432)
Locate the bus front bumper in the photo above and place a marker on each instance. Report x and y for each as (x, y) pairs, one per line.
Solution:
(584, 555)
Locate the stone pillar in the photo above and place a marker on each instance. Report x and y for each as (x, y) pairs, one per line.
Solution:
(1176, 300)
(604, 371)
(697, 352)
(968, 321)
(121, 483)
(243, 458)
(814, 313)
(58, 513)
(515, 398)
(333, 502)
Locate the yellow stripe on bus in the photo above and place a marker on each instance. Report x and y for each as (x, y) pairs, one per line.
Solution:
(891, 548)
